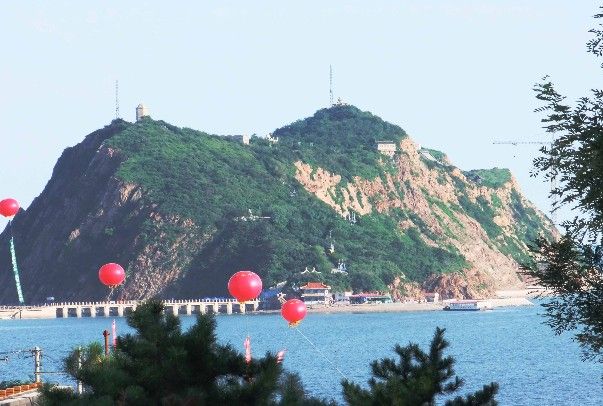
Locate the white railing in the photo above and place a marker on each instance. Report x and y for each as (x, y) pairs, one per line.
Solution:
(115, 303)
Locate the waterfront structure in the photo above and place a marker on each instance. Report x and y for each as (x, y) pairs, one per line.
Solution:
(20, 394)
(123, 307)
(314, 293)
(272, 298)
(468, 305)
(432, 297)
(368, 298)
(342, 297)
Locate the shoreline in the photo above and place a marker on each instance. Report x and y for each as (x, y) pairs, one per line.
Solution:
(495, 303)
(414, 307)
(509, 298)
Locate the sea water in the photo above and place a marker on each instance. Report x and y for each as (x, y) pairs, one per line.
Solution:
(511, 346)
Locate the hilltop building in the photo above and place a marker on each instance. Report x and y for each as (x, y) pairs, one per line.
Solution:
(426, 154)
(388, 148)
(340, 102)
(243, 139)
(141, 111)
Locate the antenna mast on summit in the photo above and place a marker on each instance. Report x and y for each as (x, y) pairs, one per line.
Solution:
(331, 85)
(117, 99)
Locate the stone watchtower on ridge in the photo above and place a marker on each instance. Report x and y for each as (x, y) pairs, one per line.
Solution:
(141, 111)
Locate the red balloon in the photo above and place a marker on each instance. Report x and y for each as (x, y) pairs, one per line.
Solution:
(294, 311)
(111, 274)
(9, 207)
(245, 285)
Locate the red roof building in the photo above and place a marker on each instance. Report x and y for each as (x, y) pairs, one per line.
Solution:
(316, 293)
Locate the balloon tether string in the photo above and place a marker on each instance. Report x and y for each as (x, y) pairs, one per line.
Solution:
(322, 353)
(244, 312)
(110, 293)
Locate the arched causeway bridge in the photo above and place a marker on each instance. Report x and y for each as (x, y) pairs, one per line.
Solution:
(120, 308)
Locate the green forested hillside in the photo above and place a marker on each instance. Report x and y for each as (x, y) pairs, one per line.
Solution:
(341, 139)
(216, 181)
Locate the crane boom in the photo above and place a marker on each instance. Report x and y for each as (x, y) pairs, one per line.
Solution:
(522, 142)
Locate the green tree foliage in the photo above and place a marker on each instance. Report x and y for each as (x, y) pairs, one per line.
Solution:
(161, 365)
(416, 378)
(493, 178)
(341, 139)
(574, 272)
(572, 267)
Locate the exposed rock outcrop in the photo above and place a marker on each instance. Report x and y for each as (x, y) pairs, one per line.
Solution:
(432, 194)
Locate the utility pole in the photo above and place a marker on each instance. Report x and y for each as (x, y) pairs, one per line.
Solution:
(117, 99)
(330, 85)
(80, 386)
(37, 352)
(106, 334)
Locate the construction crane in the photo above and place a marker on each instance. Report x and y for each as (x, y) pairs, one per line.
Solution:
(553, 179)
(515, 143)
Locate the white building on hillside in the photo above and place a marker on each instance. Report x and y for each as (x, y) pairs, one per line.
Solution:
(388, 148)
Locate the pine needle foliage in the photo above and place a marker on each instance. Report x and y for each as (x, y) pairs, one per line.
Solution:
(416, 378)
(161, 365)
(572, 268)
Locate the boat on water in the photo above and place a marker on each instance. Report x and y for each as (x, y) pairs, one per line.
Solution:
(468, 305)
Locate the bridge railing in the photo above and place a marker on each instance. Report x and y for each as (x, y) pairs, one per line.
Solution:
(170, 302)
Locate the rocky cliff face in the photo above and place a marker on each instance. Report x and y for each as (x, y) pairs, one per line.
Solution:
(87, 217)
(430, 189)
(182, 210)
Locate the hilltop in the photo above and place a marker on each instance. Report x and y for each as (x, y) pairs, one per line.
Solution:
(182, 210)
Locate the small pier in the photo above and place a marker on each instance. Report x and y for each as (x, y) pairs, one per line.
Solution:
(120, 308)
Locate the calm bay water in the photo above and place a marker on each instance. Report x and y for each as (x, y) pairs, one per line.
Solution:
(510, 346)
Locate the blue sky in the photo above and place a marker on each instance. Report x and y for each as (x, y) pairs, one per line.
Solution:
(456, 75)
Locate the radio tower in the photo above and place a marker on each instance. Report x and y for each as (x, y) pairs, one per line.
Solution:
(331, 85)
(117, 99)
